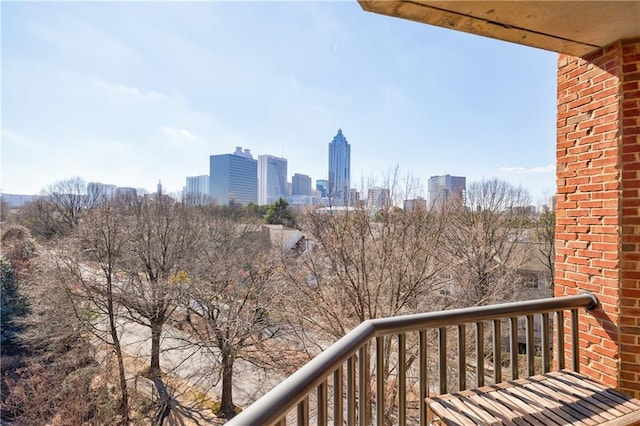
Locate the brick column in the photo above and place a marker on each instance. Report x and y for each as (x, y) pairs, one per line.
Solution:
(598, 206)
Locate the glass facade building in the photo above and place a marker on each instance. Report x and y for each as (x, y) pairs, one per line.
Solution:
(272, 179)
(322, 186)
(446, 187)
(233, 178)
(339, 170)
(300, 184)
(197, 189)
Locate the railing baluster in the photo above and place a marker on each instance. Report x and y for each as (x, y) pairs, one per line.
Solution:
(380, 380)
(514, 348)
(363, 386)
(531, 366)
(497, 352)
(462, 357)
(351, 391)
(402, 380)
(303, 412)
(293, 395)
(480, 354)
(338, 385)
(575, 343)
(442, 357)
(545, 343)
(424, 384)
(560, 338)
(322, 404)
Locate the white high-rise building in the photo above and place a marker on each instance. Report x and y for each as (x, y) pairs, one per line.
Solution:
(272, 179)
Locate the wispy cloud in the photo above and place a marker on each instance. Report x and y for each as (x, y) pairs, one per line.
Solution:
(129, 91)
(519, 170)
(176, 135)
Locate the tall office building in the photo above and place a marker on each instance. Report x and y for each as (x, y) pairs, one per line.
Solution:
(300, 185)
(233, 178)
(272, 179)
(197, 189)
(446, 188)
(339, 169)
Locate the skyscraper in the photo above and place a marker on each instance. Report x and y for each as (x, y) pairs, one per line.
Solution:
(339, 169)
(446, 187)
(272, 179)
(197, 189)
(233, 178)
(300, 185)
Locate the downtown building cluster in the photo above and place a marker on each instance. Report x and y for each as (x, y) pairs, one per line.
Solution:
(239, 179)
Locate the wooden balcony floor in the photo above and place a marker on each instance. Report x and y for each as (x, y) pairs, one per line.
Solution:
(555, 398)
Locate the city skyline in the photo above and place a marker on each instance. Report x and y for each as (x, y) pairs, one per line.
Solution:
(274, 169)
(151, 99)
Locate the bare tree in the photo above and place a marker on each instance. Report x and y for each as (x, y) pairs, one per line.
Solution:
(545, 236)
(18, 246)
(70, 198)
(484, 240)
(90, 265)
(160, 246)
(360, 269)
(232, 295)
(364, 266)
(58, 209)
(6, 215)
(57, 380)
(41, 218)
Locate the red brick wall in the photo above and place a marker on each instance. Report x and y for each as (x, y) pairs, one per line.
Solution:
(598, 205)
(630, 250)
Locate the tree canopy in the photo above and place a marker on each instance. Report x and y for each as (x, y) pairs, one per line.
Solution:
(279, 213)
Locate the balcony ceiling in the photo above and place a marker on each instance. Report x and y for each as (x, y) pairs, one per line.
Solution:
(572, 27)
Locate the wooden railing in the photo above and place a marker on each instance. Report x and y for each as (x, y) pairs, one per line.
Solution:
(338, 385)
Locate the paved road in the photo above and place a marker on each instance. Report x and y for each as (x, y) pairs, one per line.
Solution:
(196, 367)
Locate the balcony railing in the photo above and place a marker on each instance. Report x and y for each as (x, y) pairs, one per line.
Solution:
(340, 385)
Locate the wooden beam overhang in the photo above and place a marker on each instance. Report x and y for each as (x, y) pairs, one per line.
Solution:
(573, 27)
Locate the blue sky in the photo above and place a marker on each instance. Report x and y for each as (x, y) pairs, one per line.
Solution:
(130, 93)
